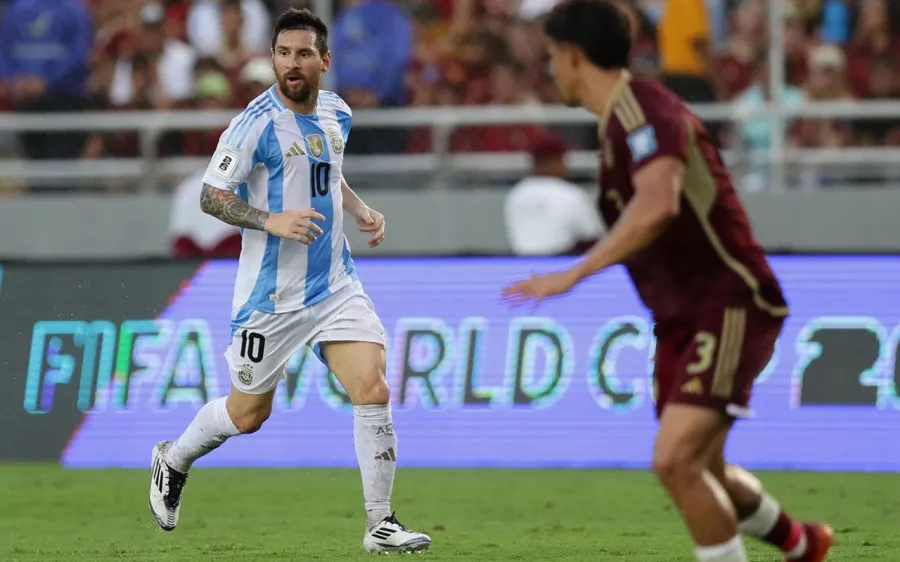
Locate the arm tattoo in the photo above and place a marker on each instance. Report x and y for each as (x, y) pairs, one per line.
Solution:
(228, 207)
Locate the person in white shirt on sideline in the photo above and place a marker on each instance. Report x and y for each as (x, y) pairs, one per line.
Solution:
(546, 215)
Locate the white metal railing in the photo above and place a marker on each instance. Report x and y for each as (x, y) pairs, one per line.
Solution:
(149, 168)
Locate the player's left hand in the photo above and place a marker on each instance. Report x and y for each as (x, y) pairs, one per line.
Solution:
(371, 221)
(539, 287)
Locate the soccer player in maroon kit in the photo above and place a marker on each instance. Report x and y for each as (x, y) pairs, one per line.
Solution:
(678, 227)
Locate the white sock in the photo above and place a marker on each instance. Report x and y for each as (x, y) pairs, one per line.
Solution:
(211, 427)
(376, 452)
(763, 519)
(731, 551)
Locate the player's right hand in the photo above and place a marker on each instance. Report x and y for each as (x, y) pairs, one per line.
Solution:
(295, 225)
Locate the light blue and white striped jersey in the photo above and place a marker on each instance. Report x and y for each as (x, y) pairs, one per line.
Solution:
(278, 160)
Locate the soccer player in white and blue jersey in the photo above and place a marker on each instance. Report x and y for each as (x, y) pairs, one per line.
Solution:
(277, 174)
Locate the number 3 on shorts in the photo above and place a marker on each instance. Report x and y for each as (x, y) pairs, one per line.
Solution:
(253, 346)
(706, 349)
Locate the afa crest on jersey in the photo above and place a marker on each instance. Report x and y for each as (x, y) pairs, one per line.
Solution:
(316, 146)
(337, 141)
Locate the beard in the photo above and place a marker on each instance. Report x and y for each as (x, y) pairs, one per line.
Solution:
(302, 92)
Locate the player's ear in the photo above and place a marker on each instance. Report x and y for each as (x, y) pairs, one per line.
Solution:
(326, 62)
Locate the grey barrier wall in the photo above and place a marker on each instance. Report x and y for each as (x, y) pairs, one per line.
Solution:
(427, 223)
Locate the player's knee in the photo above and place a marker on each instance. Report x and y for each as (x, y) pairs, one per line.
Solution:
(373, 389)
(251, 421)
(673, 464)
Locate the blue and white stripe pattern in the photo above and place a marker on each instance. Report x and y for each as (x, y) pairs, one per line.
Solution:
(258, 158)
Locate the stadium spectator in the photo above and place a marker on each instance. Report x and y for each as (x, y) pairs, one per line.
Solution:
(872, 38)
(545, 214)
(734, 62)
(371, 42)
(755, 133)
(256, 77)
(827, 82)
(233, 52)
(170, 62)
(44, 54)
(210, 21)
(686, 50)
(214, 92)
(644, 51)
(882, 85)
(797, 46)
(835, 22)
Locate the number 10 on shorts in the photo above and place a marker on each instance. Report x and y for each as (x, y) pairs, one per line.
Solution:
(253, 346)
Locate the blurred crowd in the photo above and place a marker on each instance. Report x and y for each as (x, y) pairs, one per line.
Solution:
(71, 55)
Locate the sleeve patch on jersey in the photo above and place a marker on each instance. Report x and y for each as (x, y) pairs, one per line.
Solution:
(642, 143)
(226, 163)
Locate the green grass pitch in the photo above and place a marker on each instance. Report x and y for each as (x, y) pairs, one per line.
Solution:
(51, 514)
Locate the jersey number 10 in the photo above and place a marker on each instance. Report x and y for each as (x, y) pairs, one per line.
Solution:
(319, 179)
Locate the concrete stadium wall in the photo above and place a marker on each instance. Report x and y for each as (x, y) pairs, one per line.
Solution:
(435, 223)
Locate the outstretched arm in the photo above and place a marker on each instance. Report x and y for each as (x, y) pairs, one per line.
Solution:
(226, 206)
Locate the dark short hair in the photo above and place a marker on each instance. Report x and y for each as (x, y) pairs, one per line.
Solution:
(598, 27)
(302, 19)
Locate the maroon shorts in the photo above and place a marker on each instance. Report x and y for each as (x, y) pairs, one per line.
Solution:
(713, 360)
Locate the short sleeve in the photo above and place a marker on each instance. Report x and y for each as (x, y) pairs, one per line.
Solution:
(341, 111)
(234, 156)
(345, 120)
(661, 136)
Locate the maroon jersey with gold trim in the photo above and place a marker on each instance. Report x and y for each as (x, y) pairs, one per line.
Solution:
(707, 256)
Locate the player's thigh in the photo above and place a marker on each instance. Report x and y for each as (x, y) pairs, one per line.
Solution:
(351, 341)
(261, 345)
(671, 342)
(728, 350)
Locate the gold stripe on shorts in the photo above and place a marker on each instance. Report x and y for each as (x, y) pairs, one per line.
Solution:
(730, 343)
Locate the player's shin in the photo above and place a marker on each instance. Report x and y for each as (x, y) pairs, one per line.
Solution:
(211, 427)
(761, 516)
(708, 513)
(376, 452)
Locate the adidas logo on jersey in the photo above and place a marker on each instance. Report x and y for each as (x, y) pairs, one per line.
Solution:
(387, 456)
(295, 150)
(693, 386)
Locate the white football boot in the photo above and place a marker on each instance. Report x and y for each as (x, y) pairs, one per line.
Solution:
(166, 485)
(389, 535)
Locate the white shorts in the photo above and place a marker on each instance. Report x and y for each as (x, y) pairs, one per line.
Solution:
(261, 346)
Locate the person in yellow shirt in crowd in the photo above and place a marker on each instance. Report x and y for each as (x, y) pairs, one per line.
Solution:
(686, 50)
